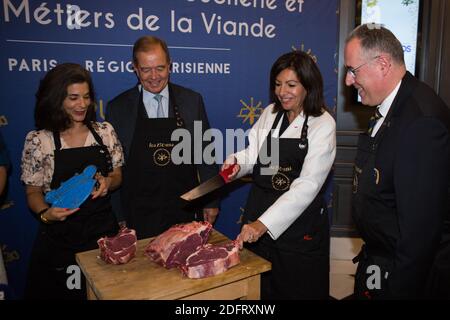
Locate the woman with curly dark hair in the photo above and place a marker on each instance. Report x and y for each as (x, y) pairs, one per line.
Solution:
(67, 140)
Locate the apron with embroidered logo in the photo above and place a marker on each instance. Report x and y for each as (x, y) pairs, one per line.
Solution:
(300, 256)
(57, 243)
(153, 183)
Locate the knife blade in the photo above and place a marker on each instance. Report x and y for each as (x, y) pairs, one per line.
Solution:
(209, 185)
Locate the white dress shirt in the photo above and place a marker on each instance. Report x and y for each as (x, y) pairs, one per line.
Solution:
(384, 107)
(318, 161)
(151, 105)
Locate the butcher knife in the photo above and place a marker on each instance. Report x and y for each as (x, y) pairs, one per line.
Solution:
(209, 185)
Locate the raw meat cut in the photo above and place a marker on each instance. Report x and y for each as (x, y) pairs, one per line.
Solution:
(184, 246)
(173, 246)
(211, 260)
(119, 249)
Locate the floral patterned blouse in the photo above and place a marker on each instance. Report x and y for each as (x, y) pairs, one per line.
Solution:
(38, 157)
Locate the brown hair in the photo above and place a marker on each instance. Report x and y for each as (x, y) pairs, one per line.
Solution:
(146, 43)
(49, 113)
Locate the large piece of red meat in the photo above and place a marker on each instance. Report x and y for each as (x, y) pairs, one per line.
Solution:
(172, 247)
(119, 249)
(211, 260)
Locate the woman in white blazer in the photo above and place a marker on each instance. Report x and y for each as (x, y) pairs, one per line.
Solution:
(285, 219)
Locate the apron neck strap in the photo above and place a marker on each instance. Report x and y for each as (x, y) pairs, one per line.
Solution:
(176, 111)
(95, 134)
(57, 140)
(172, 105)
(277, 119)
(305, 128)
(109, 167)
(57, 137)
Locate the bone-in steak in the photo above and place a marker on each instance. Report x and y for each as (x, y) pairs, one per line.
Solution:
(119, 249)
(172, 247)
(211, 260)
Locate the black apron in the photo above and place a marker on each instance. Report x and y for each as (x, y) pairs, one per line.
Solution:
(57, 243)
(375, 218)
(153, 183)
(300, 256)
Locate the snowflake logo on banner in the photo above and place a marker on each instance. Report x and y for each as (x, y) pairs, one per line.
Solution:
(250, 112)
(100, 108)
(7, 204)
(309, 51)
(407, 2)
(3, 121)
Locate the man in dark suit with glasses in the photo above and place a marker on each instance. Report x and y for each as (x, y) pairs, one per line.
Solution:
(402, 168)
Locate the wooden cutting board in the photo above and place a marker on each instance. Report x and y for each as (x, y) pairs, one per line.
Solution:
(143, 279)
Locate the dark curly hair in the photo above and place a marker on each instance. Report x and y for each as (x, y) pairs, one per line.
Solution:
(49, 113)
(309, 76)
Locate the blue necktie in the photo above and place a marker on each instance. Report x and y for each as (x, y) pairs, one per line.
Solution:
(160, 110)
(373, 121)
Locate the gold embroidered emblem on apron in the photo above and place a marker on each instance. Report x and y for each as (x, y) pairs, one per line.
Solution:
(280, 182)
(161, 157)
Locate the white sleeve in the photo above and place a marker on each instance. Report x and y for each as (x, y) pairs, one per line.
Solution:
(303, 190)
(257, 135)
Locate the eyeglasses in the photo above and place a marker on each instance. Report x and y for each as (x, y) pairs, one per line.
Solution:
(352, 71)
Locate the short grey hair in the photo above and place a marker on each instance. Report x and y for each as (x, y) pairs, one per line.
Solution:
(375, 37)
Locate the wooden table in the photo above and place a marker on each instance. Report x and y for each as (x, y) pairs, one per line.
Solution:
(145, 280)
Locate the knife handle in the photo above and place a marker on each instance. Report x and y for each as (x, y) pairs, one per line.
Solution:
(225, 173)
